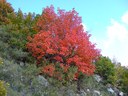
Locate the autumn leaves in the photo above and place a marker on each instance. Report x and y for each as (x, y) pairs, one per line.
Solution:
(61, 40)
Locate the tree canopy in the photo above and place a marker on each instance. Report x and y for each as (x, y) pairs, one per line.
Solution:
(62, 41)
(5, 9)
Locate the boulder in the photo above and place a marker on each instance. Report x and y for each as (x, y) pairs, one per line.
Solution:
(97, 78)
(83, 93)
(110, 90)
(97, 93)
(121, 94)
(42, 81)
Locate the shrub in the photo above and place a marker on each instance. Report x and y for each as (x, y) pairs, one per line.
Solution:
(3, 91)
(105, 68)
(23, 80)
(121, 77)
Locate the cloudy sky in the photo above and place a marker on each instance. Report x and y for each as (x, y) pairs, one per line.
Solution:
(106, 20)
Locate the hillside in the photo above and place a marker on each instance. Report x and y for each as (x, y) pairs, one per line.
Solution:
(20, 74)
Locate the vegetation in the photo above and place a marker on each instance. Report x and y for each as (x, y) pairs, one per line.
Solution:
(112, 73)
(121, 75)
(64, 47)
(5, 9)
(105, 68)
(39, 57)
(3, 91)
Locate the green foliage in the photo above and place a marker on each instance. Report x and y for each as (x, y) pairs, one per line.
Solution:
(105, 68)
(23, 80)
(112, 73)
(121, 77)
(9, 50)
(5, 9)
(3, 91)
(90, 83)
(1, 61)
(3, 85)
(19, 27)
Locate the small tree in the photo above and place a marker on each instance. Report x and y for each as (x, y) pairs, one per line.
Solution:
(105, 68)
(122, 77)
(5, 9)
(62, 41)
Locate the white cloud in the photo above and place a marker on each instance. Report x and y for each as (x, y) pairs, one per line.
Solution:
(116, 44)
(116, 31)
(125, 18)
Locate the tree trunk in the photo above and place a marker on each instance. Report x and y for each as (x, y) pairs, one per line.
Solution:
(79, 83)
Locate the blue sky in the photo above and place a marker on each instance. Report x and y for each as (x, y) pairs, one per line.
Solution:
(106, 20)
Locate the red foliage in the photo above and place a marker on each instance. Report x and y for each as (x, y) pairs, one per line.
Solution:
(61, 38)
(49, 69)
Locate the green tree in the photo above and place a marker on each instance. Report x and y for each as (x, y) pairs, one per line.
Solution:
(5, 9)
(121, 75)
(105, 68)
(20, 26)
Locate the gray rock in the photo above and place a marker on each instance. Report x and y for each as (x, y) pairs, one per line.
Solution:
(83, 93)
(116, 90)
(121, 94)
(97, 78)
(97, 93)
(70, 93)
(110, 90)
(88, 90)
(42, 81)
(22, 64)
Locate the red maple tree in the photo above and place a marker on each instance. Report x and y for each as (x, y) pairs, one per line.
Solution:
(62, 41)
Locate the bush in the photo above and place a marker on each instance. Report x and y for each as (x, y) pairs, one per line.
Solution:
(23, 80)
(121, 77)
(105, 68)
(3, 91)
